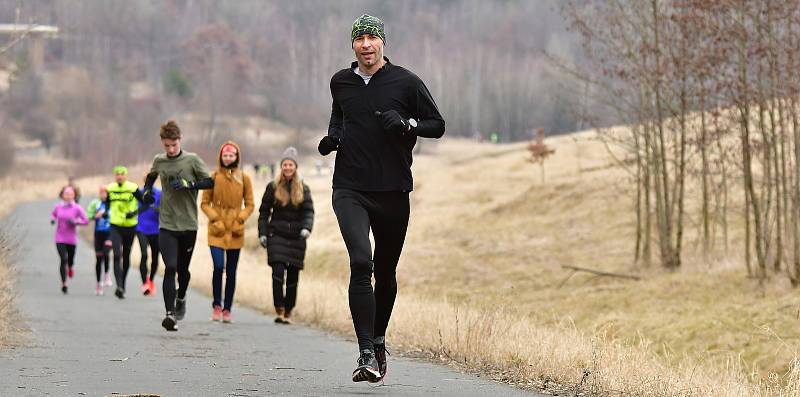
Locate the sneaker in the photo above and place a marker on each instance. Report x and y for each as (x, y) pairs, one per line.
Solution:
(64, 288)
(152, 286)
(180, 308)
(119, 293)
(170, 323)
(216, 315)
(108, 281)
(70, 272)
(380, 356)
(367, 369)
(226, 316)
(98, 290)
(279, 317)
(287, 317)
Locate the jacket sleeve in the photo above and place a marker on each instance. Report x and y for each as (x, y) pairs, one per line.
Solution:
(335, 125)
(265, 210)
(205, 204)
(82, 217)
(157, 204)
(249, 205)
(203, 179)
(308, 209)
(430, 123)
(91, 211)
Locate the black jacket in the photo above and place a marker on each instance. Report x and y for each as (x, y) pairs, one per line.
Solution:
(369, 158)
(282, 225)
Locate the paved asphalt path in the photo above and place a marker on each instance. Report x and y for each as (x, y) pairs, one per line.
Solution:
(82, 344)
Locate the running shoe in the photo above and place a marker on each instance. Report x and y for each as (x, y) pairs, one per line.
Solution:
(367, 369)
(152, 287)
(380, 356)
(64, 288)
(216, 315)
(108, 281)
(170, 323)
(226, 316)
(98, 290)
(279, 317)
(287, 317)
(119, 293)
(146, 288)
(70, 272)
(180, 308)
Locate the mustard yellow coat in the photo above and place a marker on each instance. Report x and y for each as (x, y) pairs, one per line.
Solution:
(228, 205)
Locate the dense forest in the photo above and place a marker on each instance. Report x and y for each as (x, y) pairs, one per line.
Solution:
(118, 67)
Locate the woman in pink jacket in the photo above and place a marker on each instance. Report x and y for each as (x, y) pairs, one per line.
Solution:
(67, 215)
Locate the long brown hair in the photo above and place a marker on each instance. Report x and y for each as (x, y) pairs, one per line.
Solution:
(282, 190)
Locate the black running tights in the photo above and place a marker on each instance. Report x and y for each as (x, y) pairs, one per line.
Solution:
(386, 214)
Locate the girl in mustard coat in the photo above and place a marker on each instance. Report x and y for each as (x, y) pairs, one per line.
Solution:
(227, 206)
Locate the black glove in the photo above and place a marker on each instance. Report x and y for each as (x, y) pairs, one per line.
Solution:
(263, 241)
(131, 214)
(327, 144)
(52, 221)
(181, 184)
(70, 222)
(393, 122)
(148, 197)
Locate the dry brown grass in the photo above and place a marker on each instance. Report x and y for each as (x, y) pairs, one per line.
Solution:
(480, 282)
(9, 335)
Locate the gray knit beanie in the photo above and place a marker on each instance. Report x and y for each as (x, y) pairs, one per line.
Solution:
(290, 154)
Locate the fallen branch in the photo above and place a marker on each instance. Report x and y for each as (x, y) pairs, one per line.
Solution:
(600, 273)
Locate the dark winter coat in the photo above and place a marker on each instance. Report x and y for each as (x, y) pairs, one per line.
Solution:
(282, 226)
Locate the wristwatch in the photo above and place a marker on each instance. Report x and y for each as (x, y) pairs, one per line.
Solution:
(412, 124)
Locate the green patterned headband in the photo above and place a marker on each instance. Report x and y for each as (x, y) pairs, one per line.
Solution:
(367, 24)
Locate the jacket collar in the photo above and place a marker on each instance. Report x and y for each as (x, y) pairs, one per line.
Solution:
(386, 66)
(176, 156)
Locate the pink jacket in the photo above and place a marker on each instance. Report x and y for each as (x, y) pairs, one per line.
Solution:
(66, 231)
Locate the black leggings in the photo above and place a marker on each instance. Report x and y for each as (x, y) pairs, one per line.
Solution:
(102, 249)
(121, 243)
(176, 251)
(66, 255)
(146, 240)
(386, 213)
(288, 299)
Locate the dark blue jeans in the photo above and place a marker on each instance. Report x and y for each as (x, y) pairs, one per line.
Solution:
(224, 260)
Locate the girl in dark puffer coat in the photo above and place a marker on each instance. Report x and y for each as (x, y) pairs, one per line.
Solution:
(286, 218)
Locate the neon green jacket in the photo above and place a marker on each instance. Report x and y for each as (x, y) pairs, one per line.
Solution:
(123, 201)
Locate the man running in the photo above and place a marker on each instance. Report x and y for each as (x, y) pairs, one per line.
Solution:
(123, 197)
(182, 175)
(379, 109)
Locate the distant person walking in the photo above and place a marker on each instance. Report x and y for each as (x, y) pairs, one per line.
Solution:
(66, 216)
(285, 221)
(99, 213)
(123, 197)
(227, 206)
(379, 109)
(147, 234)
(182, 174)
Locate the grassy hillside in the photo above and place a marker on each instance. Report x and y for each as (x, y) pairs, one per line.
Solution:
(481, 282)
